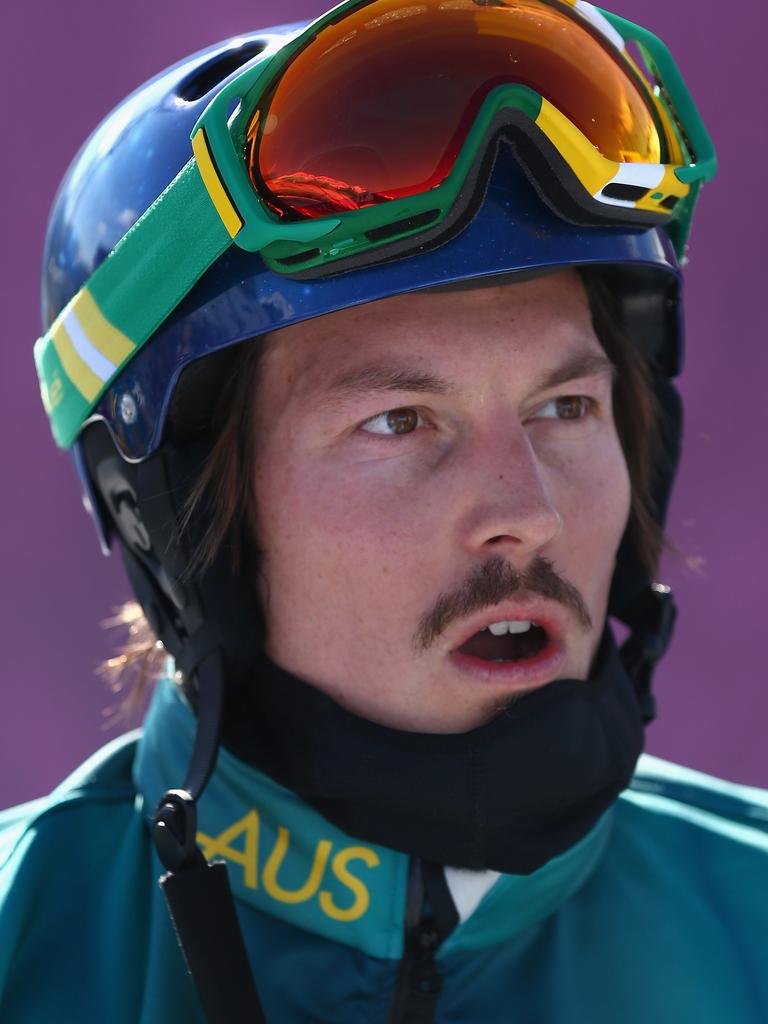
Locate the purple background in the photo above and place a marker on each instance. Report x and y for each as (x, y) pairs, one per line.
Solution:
(65, 66)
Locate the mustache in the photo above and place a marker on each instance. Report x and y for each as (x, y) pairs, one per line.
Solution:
(495, 581)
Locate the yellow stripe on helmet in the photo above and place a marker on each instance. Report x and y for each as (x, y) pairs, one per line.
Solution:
(78, 371)
(103, 335)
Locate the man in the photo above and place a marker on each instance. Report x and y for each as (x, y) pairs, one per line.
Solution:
(381, 541)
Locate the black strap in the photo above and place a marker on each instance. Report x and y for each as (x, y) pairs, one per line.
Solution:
(198, 895)
(175, 826)
(202, 908)
(651, 619)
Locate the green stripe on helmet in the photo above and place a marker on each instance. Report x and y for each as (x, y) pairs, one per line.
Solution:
(137, 286)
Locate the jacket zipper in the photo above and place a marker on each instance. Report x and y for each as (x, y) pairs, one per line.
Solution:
(419, 981)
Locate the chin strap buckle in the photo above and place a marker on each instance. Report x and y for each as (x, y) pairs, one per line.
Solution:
(652, 624)
(175, 829)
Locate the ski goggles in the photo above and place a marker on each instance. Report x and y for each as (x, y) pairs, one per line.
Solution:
(370, 133)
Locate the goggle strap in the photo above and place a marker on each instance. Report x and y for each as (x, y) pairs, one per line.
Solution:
(677, 92)
(679, 228)
(127, 297)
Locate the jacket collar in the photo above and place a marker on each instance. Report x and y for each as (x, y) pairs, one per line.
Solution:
(288, 861)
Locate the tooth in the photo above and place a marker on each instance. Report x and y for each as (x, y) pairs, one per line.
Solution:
(499, 628)
(519, 627)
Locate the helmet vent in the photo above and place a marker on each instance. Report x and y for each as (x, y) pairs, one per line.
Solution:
(210, 74)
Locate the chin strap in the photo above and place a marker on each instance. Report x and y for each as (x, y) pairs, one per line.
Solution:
(651, 620)
(144, 503)
(198, 894)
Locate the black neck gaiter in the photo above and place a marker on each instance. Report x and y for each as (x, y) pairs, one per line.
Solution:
(509, 795)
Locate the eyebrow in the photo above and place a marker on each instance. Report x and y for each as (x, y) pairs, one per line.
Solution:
(370, 379)
(580, 364)
(381, 378)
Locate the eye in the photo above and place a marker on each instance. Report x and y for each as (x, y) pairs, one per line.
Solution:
(394, 421)
(567, 407)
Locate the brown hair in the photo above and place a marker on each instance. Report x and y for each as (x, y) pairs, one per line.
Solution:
(637, 415)
(224, 485)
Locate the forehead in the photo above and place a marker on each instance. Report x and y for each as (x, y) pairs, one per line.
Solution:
(456, 332)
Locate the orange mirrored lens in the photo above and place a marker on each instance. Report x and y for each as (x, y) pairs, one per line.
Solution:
(378, 105)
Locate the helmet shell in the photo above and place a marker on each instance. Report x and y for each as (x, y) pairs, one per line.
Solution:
(140, 147)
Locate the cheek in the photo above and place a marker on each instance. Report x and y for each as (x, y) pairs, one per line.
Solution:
(335, 530)
(616, 493)
(341, 553)
(608, 526)
(593, 493)
(594, 496)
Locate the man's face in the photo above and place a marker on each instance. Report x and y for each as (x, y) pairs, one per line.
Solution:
(428, 466)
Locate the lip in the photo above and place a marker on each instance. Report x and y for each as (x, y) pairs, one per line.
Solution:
(543, 613)
(512, 676)
(530, 674)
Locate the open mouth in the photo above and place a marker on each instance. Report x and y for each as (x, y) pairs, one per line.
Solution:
(506, 641)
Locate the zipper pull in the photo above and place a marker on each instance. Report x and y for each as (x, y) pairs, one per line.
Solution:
(419, 981)
(426, 981)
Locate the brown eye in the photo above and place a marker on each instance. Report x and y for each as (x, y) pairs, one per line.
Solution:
(571, 407)
(394, 422)
(402, 421)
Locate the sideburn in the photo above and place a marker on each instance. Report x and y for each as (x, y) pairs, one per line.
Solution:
(223, 490)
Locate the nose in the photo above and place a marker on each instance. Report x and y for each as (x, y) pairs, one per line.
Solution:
(509, 510)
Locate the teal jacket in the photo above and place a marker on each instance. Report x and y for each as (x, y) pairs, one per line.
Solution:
(659, 916)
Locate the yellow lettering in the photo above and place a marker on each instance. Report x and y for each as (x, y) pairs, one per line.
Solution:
(362, 896)
(221, 845)
(276, 857)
